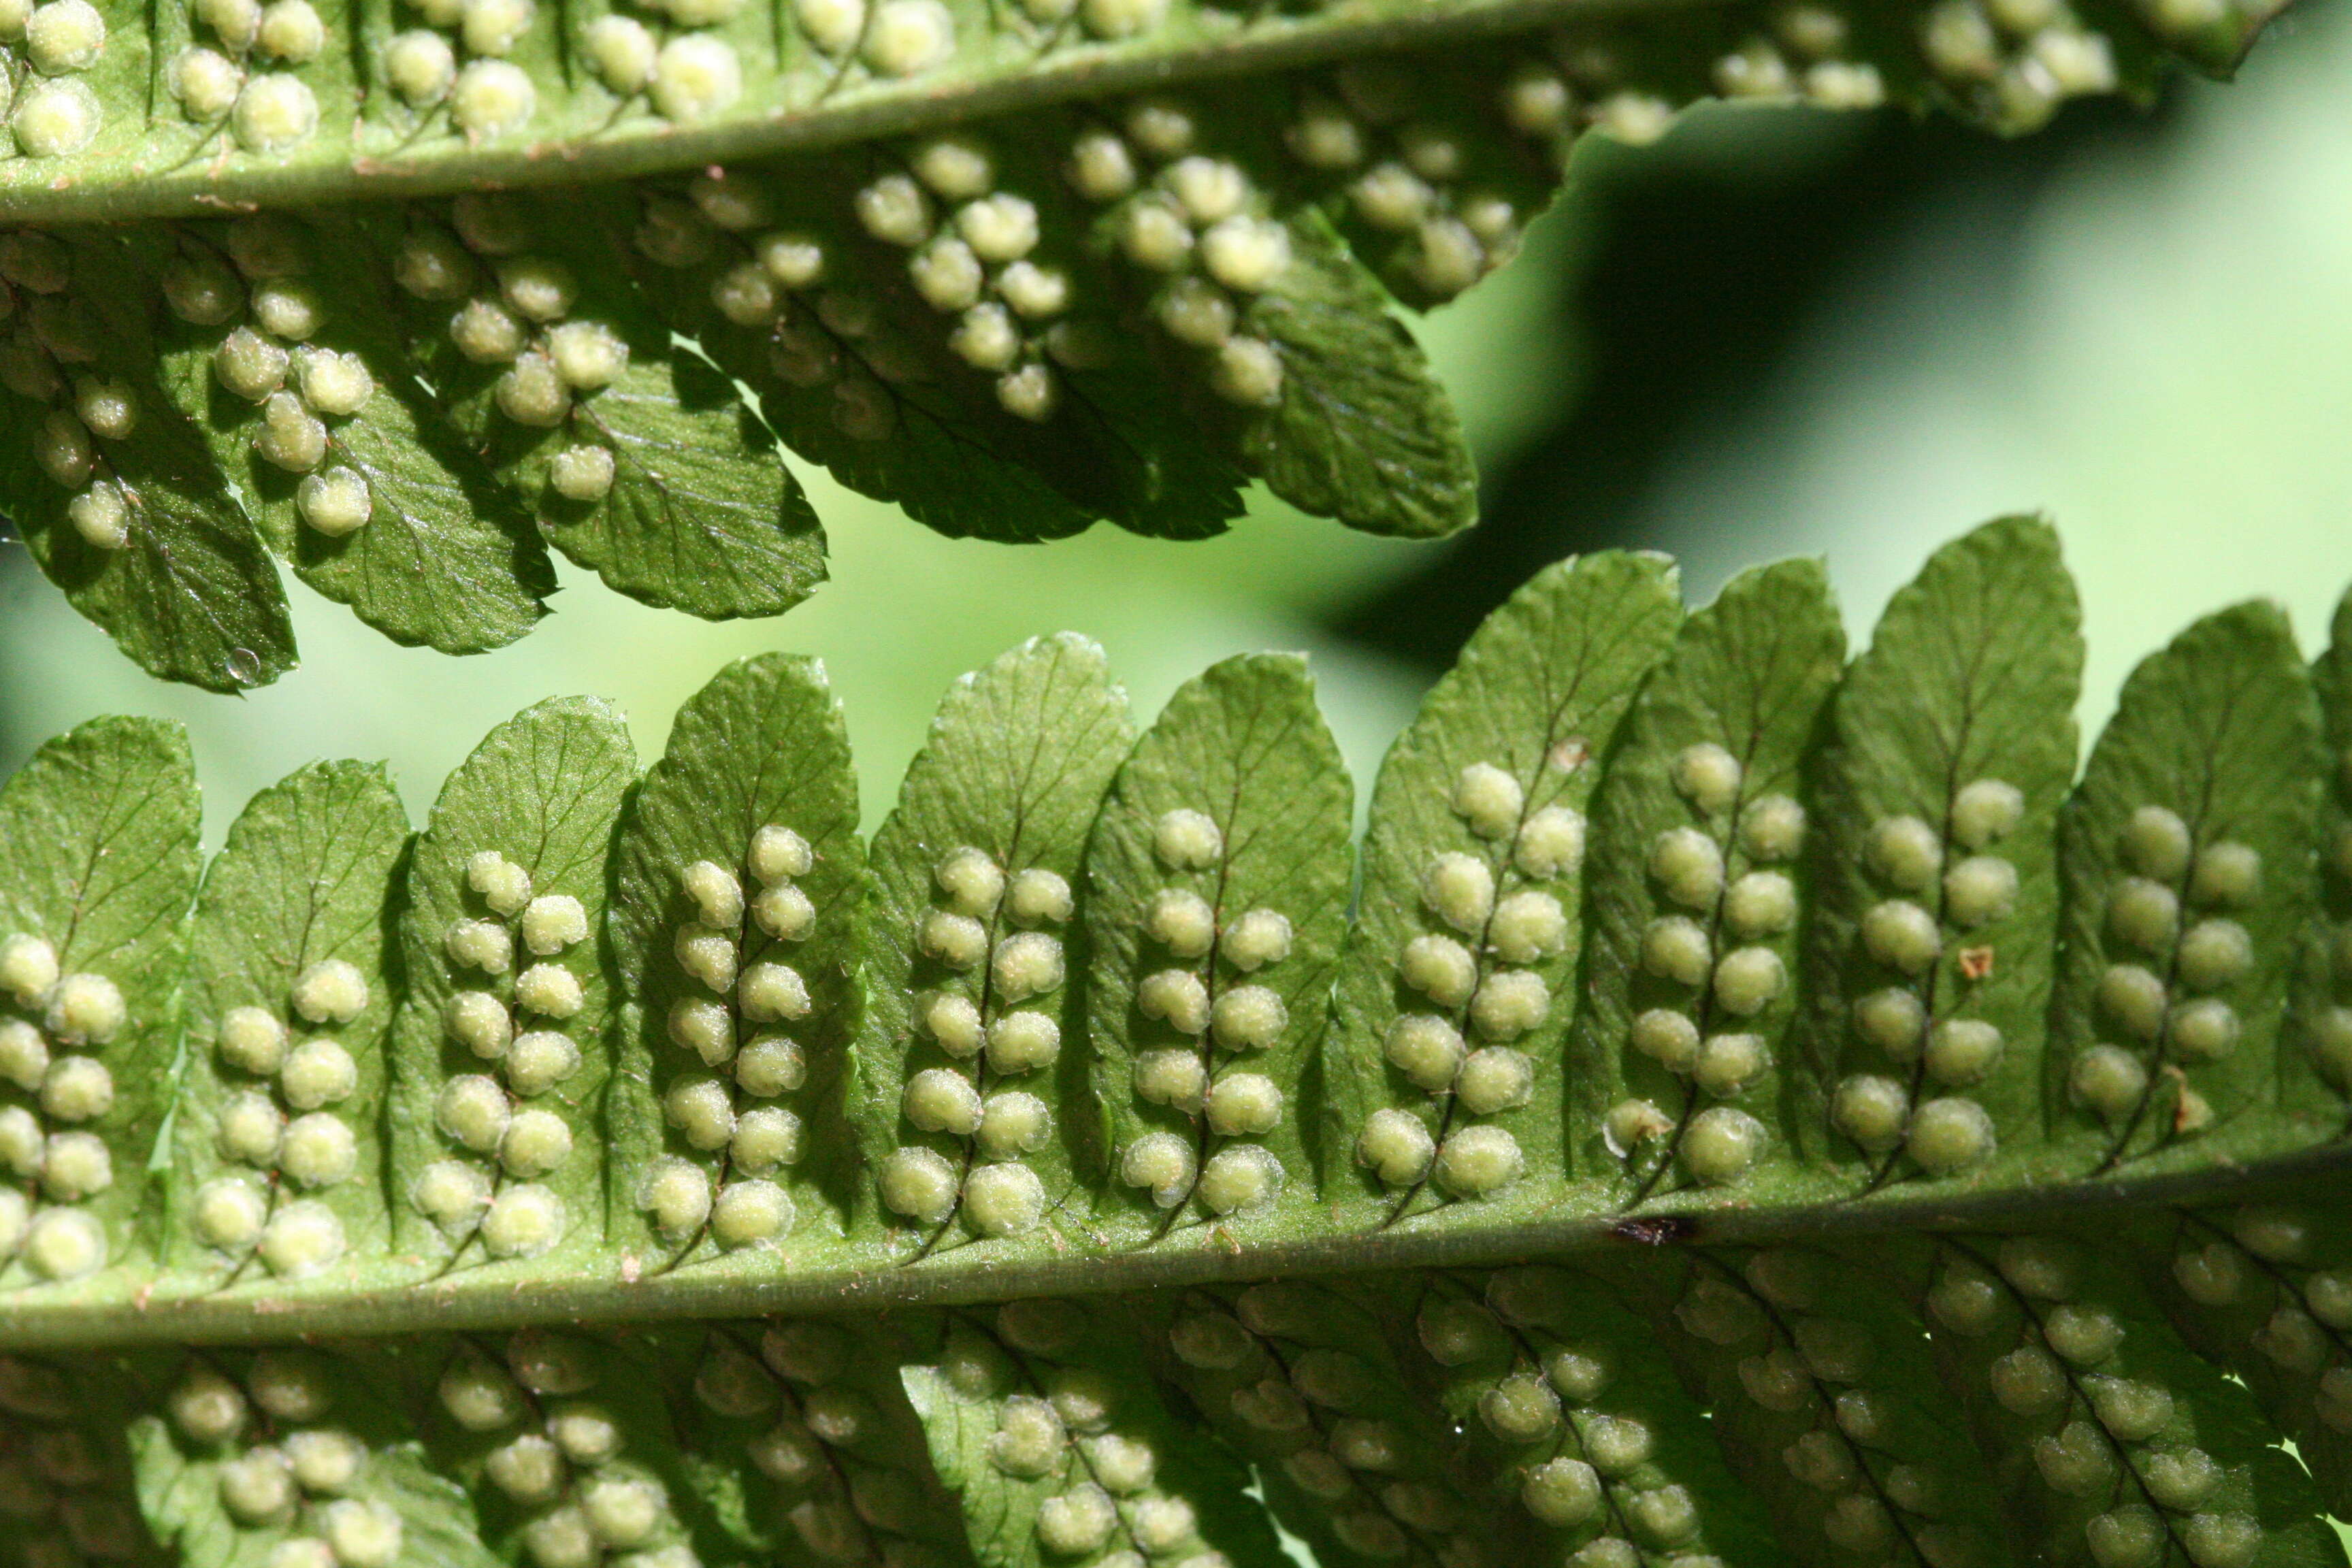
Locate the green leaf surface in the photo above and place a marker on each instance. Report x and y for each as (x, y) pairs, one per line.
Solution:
(1363, 431)
(541, 793)
(1697, 826)
(1538, 698)
(761, 751)
(2142, 1430)
(1055, 1442)
(1015, 768)
(190, 593)
(1216, 901)
(1952, 746)
(2187, 853)
(444, 559)
(292, 1000)
(1573, 1415)
(98, 868)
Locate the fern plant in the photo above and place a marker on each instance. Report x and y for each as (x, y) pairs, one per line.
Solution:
(1741, 1106)
(407, 295)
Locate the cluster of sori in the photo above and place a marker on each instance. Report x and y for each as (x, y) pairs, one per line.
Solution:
(489, 95)
(2168, 998)
(683, 70)
(1298, 1382)
(281, 1468)
(559, 1457)
(795, 287)
(732, 951)
(514, 1024)
(1932, 1046)
(47, 47)
(1722, 872)
(54, 1027)
(240, 69)
(258, 291)
(2014, 62)
(849, 1471)
(1582, 1457)
(1198, 228)
(2329, 1010)
(1805, 1374)
(1198, 998)
(250, 1213)
(972, 243)
(1412, 181)
(1497, 915)
(53, 330)
(1806, 54)
(2108, 1440)
(66, 1499)
(517, 312)
(2254, 1276)
(1059, 1427)
(995, 948)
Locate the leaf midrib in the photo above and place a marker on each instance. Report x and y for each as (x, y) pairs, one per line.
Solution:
(494, 1299)
(331, 172)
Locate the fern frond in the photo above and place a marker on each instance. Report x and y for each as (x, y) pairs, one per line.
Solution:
(388, 1199)
(1018, 268)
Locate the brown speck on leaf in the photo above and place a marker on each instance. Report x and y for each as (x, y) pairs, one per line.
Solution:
(2191, 1111)
(1660, 1231)
(1571, 755)
(1976, 963)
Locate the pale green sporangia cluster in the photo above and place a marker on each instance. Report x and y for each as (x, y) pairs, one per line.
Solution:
(410, 295)
(1740, 1105)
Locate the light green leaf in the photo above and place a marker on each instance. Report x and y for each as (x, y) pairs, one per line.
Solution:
(738, 872)
(1678, 1055)
(975, 882)
(1487, 789)
(278, 1127)
(501, 1052)
(98, 868)
(1216, 901)
(1930, 963)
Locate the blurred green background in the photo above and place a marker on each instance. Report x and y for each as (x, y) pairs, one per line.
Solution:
(1773, 333)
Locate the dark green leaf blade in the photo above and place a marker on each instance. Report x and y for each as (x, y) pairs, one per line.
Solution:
(1492, 776)
(2188, 860)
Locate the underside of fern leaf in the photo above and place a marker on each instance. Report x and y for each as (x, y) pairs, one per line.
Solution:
(1757, 1106)
(410, 296)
